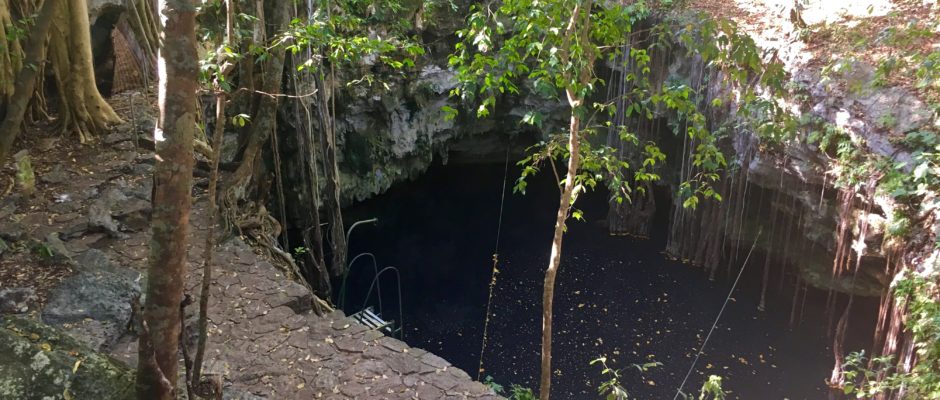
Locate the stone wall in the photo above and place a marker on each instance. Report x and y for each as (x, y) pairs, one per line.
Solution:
(391, 135)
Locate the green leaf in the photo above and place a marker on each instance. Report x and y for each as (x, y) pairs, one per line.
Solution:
(533, 118)
(921, 171)
(449, 113)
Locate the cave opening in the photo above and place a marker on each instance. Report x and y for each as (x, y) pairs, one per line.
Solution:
(617, 296)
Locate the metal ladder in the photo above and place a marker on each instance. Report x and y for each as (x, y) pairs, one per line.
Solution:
(367, 316)
(371, 320)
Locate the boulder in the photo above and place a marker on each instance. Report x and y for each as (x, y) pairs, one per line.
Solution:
(94, 305)
(55, 176)
(17, 300)
(41, 362)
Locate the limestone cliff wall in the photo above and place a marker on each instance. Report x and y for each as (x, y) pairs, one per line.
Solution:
(392, 133)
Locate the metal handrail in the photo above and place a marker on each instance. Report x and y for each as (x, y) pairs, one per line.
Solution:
(401, 316)
(342, 289)
(354, 225)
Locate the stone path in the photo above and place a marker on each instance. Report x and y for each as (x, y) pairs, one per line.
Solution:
(265, 340)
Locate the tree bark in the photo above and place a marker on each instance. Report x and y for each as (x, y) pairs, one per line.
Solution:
(217, 135)
(25, 80)
(313, 234)
(82, 109)
(568, 193)
(144, 27)
(332, 184)
(548, 290)
(178, 70)
(9, 56)
(264, 121)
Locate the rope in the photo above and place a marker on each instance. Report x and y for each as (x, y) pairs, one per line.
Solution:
(715, 324)
(499, 227)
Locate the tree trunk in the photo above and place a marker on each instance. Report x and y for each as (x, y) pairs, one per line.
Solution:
(332, 186)
(142, 26)
(313, 234)
(178, 70)
(217, 136)
(548, 290)
(25, 80)
(568, 193)
(82, 110)
(10, 56)
(263, 123)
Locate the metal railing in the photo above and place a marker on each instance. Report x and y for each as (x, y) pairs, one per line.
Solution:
(375, 284)
(342, 288)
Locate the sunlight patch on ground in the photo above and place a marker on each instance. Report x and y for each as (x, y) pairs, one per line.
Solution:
(828, 11)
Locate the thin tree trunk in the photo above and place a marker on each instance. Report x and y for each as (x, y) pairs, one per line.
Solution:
(210, 241)
(568, 195)
(26, 80)
(213, 192)
(548, 291)
(176, 125)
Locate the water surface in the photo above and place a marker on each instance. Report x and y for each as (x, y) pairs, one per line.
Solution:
(615, 296)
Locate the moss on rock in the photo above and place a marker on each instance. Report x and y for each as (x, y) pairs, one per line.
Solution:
(41, 362)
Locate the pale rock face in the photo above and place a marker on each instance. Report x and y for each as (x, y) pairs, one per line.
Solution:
(97, 7)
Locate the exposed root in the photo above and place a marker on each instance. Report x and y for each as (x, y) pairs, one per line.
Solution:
(262, 228)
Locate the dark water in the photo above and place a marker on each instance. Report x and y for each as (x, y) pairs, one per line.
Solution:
(616, 297)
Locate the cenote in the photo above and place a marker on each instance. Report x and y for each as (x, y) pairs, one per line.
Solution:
(616, 296)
